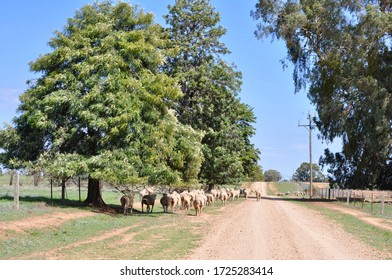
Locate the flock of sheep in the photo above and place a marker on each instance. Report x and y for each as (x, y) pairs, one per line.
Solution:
(175, 201)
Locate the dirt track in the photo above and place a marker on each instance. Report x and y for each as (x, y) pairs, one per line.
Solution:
(279, 230)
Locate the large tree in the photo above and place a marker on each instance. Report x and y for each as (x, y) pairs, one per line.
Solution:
(210, 86)
(342, 51)
(302, 174)
(102, 105)
(272, 175)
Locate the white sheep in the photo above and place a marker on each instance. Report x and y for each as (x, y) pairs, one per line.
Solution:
(198, 204)
(187, 201)
(223, 197)
(183, 195)
(210, 199)
(235, 194)
(175, 201)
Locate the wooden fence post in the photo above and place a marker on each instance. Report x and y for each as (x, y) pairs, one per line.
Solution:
(363, 200)
(16, 192)
(348, 197)
(371, 203)
(382, 204)
(80, 198)
(51, 190)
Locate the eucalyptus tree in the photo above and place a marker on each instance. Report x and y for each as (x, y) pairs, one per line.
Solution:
(341, 52)
(210, 89)
(102, 104)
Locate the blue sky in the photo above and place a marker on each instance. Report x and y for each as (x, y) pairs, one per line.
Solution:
(27, 26)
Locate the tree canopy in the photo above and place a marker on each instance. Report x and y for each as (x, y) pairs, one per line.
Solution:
(123, 100)
(302, 174)
(341, 52)
(102, 105)
(210, 89)
(272, 175)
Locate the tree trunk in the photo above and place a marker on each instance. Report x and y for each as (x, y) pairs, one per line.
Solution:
(12, 174)
(211, 186)
(37, 178)
(63, 190)
(94, 194)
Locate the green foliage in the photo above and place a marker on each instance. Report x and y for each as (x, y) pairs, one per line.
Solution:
(102, 105)
(256, 174)
(302, 174)
(343, 51)
(271, 175)
(210, 88)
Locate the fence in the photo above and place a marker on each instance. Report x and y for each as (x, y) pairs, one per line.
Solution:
(373, 201)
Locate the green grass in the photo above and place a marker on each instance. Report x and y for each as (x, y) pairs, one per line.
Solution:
(367, 208)
(155, 235)
(283, 187)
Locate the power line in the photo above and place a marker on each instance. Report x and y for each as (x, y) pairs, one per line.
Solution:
(309, 127)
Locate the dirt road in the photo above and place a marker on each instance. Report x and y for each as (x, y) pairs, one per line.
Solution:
(278, 230)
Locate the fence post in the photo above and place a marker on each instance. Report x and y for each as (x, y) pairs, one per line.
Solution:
(80, 198)
(16, 192)
(51, 191)
(371, 203)
(363, 200)
(348, 197)
(382, 204)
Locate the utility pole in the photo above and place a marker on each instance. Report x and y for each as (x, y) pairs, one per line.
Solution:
(309, 127)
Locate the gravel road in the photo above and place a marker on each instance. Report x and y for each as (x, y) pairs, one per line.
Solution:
(275, 229)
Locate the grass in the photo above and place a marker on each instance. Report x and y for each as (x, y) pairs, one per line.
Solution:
(282, 187)
(367, 208)
(162, 236)
(156, 235)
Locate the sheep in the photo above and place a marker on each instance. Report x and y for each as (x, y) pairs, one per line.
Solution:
(187, 201)
(210, 198)
(247, 193)
(165, 202)
(183, 195)
(215, 193)
(258, 195)
(145, 191)
(127, 202)
(223, 197)
(198, 204)
(235, 194)
(192, 194)
(149, 200)
(175, 201)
